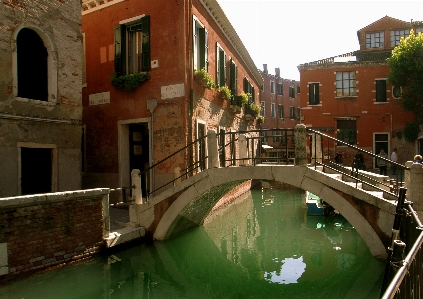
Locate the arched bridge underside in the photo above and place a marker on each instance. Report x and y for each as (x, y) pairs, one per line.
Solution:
(186, 205)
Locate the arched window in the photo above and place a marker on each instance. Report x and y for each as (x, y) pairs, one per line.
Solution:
(31, 66)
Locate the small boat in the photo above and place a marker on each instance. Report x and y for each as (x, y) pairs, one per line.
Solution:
(315, 206)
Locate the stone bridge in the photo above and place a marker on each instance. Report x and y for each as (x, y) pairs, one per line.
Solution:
(186, 204)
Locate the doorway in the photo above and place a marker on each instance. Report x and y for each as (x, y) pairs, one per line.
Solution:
(139, 151)
(36, 170)
(381, 140)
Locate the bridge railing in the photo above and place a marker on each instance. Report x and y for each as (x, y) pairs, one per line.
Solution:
(404, 272)
(324, 150)
(265, 146)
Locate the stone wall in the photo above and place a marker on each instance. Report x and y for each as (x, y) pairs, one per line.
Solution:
(41, 231)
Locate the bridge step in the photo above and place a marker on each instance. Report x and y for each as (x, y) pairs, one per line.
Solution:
(376, 193)
(337, 176)
(353, 184)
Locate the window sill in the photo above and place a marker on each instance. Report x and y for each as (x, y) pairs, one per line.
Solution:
(37, 102)
(380, 103)
(347, 97)
(315, 105)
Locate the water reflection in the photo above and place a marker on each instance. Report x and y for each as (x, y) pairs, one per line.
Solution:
(262, 245)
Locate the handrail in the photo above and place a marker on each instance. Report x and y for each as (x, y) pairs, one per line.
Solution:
(335, 141)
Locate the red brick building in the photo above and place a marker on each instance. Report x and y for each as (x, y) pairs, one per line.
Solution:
(128, 130)
(348, 96)
(280, 107)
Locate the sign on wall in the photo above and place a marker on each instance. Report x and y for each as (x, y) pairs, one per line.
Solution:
(173, 91)
(99, 98)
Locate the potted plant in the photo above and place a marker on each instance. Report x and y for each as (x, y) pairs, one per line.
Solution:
(238, 101)
(204, 79)
(260, 119)
(224, 92)
(128, 82)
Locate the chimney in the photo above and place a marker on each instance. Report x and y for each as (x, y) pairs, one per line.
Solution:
(265, 68)
(278, 72)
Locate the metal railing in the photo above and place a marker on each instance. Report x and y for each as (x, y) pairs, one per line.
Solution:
(357, 170)
(403, 275)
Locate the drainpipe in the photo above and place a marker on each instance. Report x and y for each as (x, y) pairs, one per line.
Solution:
(151, 106)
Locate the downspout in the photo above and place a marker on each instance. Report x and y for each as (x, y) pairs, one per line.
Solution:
(190, 121)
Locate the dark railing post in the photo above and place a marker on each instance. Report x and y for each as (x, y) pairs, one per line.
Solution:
(399, 213)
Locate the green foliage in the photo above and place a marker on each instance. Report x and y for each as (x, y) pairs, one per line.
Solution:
(254, 110)
(406, 70)
(128, 82)
(204, 79)
(411, 131)
(260, 119)
(240, 99)
(225, 92)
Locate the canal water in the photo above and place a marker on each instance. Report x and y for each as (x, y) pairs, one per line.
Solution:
(263, 245)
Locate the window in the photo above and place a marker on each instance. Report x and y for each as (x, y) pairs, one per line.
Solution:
(292, 112)
(32, 66)
(273, 110)
(396, 36)
(233, 78)
(292, 92)
(200, 47)
(275, 136)
(417, 30)
(263, 135)
(220, 66)
(222, 147)
(313, 94)
(272, 87)
(280, 111)
(381, 90)
(280, 89)
(396, 92)
(345, 84)
(249, 88)
(263, 111)
(375, 40)
(132, 47)
(346, 131)
(298, 113)
(298, 88)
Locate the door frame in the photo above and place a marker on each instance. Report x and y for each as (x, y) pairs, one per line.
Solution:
(388, 145)
(123, 150)
(54, 166)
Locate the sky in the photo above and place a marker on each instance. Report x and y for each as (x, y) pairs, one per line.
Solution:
(285, 34)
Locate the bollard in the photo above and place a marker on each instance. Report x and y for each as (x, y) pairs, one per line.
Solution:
(136, 184)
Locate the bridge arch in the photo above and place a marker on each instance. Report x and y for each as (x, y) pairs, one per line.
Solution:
(375, 233)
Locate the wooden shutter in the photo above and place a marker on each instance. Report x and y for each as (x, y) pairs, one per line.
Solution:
(222, 60)
(120, 49)
(145, 55)
(201, 47)
(233, 78)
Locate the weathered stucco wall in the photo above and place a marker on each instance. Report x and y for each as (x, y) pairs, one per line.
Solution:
(57, 121)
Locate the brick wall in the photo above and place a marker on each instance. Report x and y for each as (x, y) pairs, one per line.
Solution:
(41, 231)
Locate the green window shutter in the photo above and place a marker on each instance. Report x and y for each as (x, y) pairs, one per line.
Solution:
(120, 49)
(245, 85)
(233, 78)
(222, 59)
(317, 94)
(218, 66)
(145, 55)
(206, 49)
(202, 47)
(253, 94)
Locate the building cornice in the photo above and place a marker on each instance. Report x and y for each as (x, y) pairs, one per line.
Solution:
(216, 12)
(5, 115)
(89, 6)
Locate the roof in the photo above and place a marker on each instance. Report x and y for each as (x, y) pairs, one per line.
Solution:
(361, 56)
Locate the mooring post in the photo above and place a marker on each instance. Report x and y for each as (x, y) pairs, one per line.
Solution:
(399, 213)
(300, 145)
(136, 186)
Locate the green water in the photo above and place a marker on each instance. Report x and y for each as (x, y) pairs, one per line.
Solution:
(261, 246)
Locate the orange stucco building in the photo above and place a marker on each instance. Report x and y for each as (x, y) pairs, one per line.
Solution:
(127, 130)
(348, 96)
